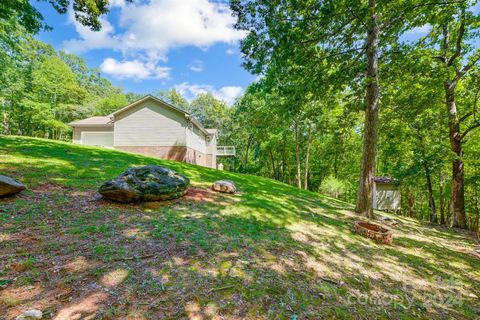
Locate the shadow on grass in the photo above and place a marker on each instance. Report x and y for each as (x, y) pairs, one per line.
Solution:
(272, 252)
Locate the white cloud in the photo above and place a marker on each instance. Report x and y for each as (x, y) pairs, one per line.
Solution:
(419, 31)
(147, 30)
(134, 69)
(196, 66)
(230, 51)
(164, 24)
(89, 39)
(117, 3)
(227, 93)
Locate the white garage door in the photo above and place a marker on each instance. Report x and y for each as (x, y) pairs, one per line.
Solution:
(104, 139)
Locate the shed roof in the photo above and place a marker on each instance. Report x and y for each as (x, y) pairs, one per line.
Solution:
(385, 180)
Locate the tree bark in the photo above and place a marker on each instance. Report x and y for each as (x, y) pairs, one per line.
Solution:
(458, 174)
(297, 156)
(307, 161)
(411, 204)
(6, 129)
(431, 199)
(245, 160)
(476, 223)
(20, 121)
(272, 158)
(364, 203)
(442, 201)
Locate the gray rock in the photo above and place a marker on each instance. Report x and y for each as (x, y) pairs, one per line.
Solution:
(142, 184)
(30, 314)
(225, 186)
(9, 186)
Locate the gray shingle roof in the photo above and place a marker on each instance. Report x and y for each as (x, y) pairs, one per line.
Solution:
(92, 121)
(385, 180)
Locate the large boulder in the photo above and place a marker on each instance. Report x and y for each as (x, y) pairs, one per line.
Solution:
(141, 184)
(9, 186)
(225, 186)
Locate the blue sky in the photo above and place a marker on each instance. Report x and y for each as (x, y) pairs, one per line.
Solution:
(154, 45)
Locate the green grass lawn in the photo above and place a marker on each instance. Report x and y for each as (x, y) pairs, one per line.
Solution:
(270, 252)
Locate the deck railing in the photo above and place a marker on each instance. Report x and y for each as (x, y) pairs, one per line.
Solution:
(225, 151)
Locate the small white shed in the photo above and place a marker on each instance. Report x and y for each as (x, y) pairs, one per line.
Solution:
(386, 195)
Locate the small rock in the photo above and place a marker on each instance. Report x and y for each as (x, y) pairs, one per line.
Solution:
(225, 186)
(30, 314)
(9, 186)
(388, 220)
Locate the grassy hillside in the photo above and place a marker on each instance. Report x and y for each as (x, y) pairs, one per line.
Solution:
(270, 252)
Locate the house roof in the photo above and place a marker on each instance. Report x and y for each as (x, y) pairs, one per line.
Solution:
(92, 121)
(212, 132)
(110, 118)
(385, 180)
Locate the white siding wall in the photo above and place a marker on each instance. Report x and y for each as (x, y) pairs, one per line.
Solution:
(196, 139)
(212, 146)
(386, 197)
(77, 132)
(150, 124)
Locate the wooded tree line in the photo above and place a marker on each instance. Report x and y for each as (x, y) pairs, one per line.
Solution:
(328, 67)
(341, 96)
(42, 90)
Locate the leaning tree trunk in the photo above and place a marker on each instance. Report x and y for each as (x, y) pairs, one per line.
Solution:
(364, 203)
(458, 175)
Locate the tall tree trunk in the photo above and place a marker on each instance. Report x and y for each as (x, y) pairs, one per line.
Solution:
(411, 204)
(364, 203)
(307, 161)
(272, 158)
(335, 164)
(458, 175)
(431, 199)
(297, 156)
(6, 129)
(476, 223)
(245, 160)
(20, 122)
(442, 201)
(284, 164)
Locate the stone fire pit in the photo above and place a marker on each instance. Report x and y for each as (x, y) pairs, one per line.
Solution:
(374, 231)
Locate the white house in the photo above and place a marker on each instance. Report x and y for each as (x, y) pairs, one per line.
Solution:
(155, 128)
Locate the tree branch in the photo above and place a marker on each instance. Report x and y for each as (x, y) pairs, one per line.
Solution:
(458, 44)
(446, 40)
(400, 16)
(465, 117)
(441, 58)
(465, 69)
(476, 123)
(474, 126)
